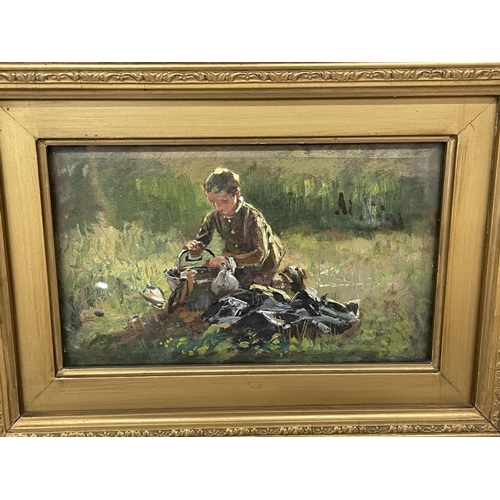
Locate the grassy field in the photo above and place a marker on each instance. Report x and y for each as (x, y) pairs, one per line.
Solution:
(389, 271)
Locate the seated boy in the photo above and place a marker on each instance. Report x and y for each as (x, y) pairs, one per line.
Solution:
(249, 242)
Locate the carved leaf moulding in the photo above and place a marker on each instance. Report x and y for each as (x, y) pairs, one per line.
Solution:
(495, 413)
(35, 77)
(2, 415)
(280, 431)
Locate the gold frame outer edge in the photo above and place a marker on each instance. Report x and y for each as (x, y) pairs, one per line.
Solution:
(491, 315)
(301, 422)
(340, 430)
(425, 79)
(247, 73)
(9, 391)
(117, 80)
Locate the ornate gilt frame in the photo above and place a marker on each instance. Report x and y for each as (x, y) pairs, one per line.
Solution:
(457, 393)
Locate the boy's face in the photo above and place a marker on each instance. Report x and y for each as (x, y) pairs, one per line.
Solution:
(224, 202)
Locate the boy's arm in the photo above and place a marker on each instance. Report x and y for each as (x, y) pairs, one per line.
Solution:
(203, 238)
(206, 231)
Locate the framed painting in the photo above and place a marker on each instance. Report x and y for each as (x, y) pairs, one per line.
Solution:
(249, 249)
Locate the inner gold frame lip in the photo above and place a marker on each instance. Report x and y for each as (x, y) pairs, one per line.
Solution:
(433, 366)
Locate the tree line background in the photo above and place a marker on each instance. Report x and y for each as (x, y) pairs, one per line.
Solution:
(163, 197)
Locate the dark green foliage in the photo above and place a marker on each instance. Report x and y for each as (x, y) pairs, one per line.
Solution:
(355, 200)
(161, 199)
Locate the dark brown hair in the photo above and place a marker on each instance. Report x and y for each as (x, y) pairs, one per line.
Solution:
(222, 180)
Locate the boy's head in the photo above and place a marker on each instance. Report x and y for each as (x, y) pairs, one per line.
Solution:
(222, 188)
(222, 180)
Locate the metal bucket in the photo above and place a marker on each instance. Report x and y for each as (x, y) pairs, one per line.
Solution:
(190, 286)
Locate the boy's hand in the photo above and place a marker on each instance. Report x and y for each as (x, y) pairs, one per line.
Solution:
(216, 261)
(194, 247)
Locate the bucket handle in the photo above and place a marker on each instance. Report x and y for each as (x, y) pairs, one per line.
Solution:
(192, 259)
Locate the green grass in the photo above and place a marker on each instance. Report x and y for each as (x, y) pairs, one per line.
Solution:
(389, 271)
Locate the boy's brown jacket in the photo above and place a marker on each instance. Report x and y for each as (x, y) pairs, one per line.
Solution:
(247, 238)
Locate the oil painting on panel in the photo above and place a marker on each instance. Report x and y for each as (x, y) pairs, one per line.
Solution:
(278, 254)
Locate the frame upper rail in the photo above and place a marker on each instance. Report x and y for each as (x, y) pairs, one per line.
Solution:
(112, 81)
(248, 73)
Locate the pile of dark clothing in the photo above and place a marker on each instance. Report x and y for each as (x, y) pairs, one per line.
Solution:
(267, 310)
